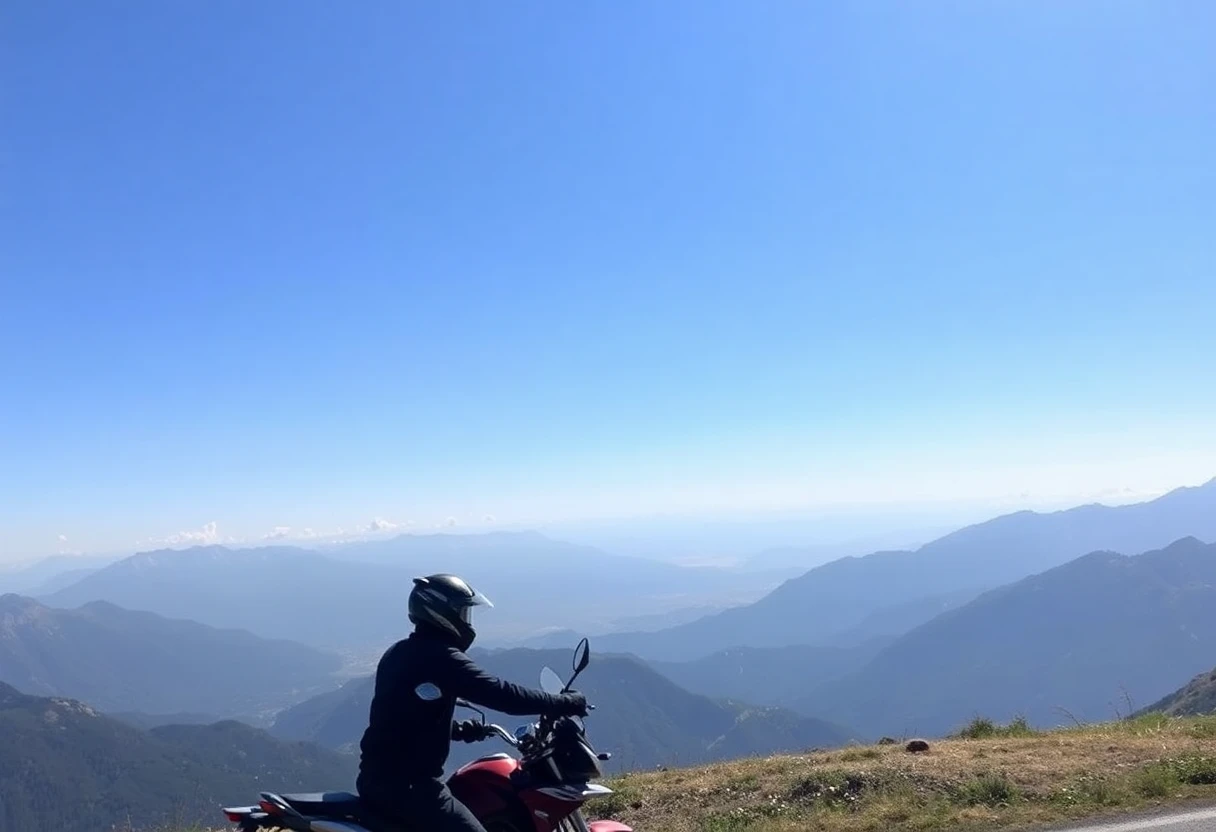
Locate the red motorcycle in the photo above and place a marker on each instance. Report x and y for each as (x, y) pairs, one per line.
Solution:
(542, 790)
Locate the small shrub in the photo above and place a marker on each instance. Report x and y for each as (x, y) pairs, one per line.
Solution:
(896, 814)
(1089, 791)
(1194, 769)
(989, 790)
(624, 796)
(1203, 728)
(1155, 781)
(978, 729)
(611, 806)
(1200, 728)
(738, 820)
(744, 783)
(743, 818)
(1099, 791)
(1150, 723)
(830, 789)
(982, 728)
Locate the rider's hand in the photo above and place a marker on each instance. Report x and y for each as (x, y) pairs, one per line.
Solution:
(468, 731)
(573, 704)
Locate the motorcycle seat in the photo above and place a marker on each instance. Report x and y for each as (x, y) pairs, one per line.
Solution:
(333, 804)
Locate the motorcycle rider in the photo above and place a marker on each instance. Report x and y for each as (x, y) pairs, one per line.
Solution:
(410, 727)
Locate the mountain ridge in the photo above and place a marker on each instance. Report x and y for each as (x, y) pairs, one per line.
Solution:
(130, 660)
(642, 718)
(1196, 698)
(276, 591)
(823, 605)
(1074, 639)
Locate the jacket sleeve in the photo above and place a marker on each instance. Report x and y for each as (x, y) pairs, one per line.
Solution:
(470, 682)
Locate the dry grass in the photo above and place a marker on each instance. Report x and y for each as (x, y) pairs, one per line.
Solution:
(1007, 779)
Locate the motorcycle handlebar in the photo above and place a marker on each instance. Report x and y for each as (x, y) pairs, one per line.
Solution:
(502, 733)
(493, 730)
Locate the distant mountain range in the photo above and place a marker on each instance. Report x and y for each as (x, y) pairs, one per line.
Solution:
(891, 642)
(50, 574)
(275, 592)
(121, 660)
(1196, 698)
(642, 718)
(887, 593)
(66, 768)
(354, 596)
(1088, 640)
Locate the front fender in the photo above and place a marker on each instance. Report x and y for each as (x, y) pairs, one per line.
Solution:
(608, 826)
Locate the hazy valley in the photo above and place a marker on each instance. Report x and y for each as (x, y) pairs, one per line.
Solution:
(1077, 616)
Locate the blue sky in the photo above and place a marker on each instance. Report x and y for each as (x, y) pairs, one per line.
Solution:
(307, 264)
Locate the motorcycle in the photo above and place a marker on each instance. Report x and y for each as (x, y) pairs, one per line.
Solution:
(541, 790)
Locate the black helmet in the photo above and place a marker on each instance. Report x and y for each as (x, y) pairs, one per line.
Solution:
(445, 603)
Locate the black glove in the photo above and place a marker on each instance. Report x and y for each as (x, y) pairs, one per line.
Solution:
(572, 704)
(468, 731)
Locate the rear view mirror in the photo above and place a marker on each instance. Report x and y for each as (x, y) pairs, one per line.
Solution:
(582, 656)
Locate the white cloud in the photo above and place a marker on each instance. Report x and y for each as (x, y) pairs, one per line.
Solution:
(308, 533)
(278, 533)
(381, 525)
(207, 534)
(64, 549)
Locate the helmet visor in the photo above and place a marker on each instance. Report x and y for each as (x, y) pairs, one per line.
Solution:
(466, 610)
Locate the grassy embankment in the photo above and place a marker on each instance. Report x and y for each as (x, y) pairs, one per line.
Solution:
(988, 777)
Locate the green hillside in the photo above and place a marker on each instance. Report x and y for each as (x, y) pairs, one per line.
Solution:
(1196, 698)
(66, 768)
(128, 661)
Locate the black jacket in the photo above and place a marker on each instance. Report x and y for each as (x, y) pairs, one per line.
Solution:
(410, 727)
